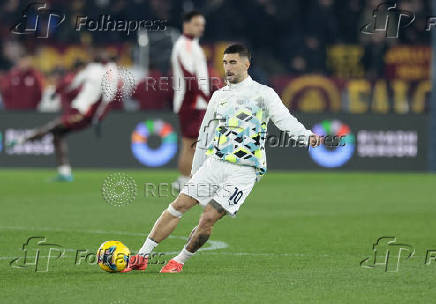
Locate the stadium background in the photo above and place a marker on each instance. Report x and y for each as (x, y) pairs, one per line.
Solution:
(301, 237)
(312, 53)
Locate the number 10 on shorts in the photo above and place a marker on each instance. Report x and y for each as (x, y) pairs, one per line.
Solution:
(236, 196)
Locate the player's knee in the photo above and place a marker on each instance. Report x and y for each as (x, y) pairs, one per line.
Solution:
(180, 206)
(175, 211)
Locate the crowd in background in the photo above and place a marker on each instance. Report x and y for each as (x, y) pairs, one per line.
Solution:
(287, 37)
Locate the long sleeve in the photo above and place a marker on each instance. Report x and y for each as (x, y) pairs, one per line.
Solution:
(206, 134)
(201, 72)
(78, 80)
(89, 94)
(91, 89)
(281, 117)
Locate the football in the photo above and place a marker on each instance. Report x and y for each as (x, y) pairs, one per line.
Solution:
(113, 256)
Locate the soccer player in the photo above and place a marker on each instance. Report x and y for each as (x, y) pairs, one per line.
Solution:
(224, 170)
(88, 107)
(191, 89)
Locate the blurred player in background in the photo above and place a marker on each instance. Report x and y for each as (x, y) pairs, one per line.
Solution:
(191, 89)
(21, 88)
(88, 106)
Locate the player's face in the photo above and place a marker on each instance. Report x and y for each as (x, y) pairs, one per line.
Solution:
(196, 26)
(25, 63)
(235, 67)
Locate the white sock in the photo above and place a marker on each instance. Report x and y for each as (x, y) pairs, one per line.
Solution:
(64, 170)
(21, 140)
(148, 247)
(183, 256)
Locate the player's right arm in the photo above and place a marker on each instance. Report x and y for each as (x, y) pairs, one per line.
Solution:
(78, 80)
(192, 62)
(205, 134)
(201, 73)
(286, 122)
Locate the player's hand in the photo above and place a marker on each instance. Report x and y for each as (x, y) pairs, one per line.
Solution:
(97, 127)
(53, 95)
(315, 140)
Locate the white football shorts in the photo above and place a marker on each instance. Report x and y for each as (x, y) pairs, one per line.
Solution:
(226, 183)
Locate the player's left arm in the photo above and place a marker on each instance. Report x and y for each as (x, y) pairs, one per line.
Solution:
(285, 121)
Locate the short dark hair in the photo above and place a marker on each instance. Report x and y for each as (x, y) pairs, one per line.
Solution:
(238, 48)
(191, 14)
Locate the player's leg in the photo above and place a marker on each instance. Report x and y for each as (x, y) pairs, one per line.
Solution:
(198, 237)
(39, 132)
(235, 184)
(59, 130)
(62, 161)
(185, 162)
(72, 121)
(50, 127)
(162, 228)
(170, 217)
(197, 191)
(201, 233)
(186, 156)
(191, 234)
(190, 122)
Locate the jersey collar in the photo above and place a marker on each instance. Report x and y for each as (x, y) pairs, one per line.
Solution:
(241, 84)
(188, 36)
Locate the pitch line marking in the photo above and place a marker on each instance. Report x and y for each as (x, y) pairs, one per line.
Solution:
(213, 245)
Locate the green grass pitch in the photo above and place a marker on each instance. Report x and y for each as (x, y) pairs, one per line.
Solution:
(299, 238)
